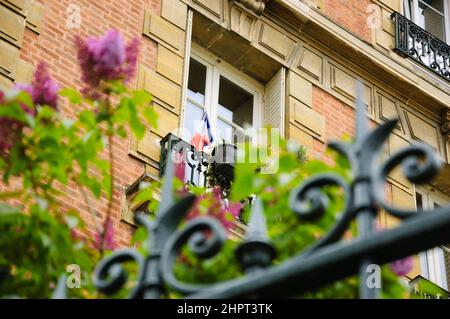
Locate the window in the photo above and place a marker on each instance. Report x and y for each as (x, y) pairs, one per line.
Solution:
(431, 15)
(231, 99)
(434, 263)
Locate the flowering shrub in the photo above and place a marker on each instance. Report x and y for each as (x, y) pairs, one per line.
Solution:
(212, 203)
(41, 149)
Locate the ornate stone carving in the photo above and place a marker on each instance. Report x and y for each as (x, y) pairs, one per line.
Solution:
(257, 6)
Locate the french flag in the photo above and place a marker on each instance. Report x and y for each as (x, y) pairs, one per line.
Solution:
(203, 135)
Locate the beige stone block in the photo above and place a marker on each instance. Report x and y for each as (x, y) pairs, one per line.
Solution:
(303, 138)
(19, 6)
(213, 6)
(151, 170)
(12, 26)
(416, 270)
(169, 64)
(392, 4)
(164, 32)
(385, 40)
(168, 122)
(5, 83)
(149, 146)
(396, 143)
(307, 117)
(161, 88)
(35, 16)
(311, 63)
(392, 221)
(9, 55)
(388, 23)
(24, 72)
(275, 41)
(175, 11)
(402, 199)
(388, 109)
(345, 84)
(300, 88)
(422, 130)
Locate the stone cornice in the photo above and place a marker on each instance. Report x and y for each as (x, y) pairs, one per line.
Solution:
(257, 6)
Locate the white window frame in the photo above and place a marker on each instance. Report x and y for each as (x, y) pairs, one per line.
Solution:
(415, 13)
(432, 263)
(215, 68)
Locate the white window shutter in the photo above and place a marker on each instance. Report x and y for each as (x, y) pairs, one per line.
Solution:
(274, 101)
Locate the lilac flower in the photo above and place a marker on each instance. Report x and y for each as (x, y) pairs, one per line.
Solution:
(43, 91)
(44, 88)
(403, 266)
(10, 132)
(216, 207)
(107, 58)
(109, 242)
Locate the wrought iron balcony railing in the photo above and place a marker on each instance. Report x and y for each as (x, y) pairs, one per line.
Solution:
(416, 43)
(196, 162)
(222, 161)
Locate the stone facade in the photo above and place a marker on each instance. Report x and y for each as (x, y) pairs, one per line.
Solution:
(323, 46)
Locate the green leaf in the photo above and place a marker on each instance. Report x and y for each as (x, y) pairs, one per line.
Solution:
(88, 118)
(73, 95)
(141, 97)
(7, 210)
(151, 116)
(243, 185)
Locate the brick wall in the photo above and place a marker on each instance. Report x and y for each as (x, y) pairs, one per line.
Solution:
(54, 45)
(350, 14)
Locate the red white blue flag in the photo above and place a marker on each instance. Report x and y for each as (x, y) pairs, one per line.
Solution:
(202, 136)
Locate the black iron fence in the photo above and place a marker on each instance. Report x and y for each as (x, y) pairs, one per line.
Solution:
(327, 260)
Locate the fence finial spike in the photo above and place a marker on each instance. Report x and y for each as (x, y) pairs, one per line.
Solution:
(167, 188)
(257, 228)
(60, 290)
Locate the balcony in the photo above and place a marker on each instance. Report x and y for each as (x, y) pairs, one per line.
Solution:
(197, 163)
(414, 42)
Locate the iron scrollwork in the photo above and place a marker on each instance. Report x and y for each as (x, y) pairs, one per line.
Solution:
(420, 45)
(327, 260)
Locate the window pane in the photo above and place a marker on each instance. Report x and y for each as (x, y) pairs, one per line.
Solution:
(197, 81)
(230, 134)
(225, 131)
(431, 17)
(235, 104)
(192, 119)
